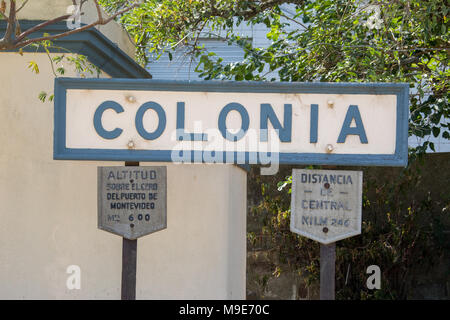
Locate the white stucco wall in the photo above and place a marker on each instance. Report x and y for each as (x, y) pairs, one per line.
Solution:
(48, 213)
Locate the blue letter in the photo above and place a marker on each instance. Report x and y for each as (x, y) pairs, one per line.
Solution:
(223, 118)
(161, 123)
(352, 113)
(267, 114)
(181, 134)
(314, 123)
(98, 120)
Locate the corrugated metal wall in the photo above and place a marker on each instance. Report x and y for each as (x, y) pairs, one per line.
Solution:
(183, 65)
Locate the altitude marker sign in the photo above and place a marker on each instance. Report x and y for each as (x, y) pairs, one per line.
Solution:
(132, 201)
(326, 204)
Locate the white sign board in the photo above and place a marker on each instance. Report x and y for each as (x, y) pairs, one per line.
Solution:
(232, 122)
(326, 204)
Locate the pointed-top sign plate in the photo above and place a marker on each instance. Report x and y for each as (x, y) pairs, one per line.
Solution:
(326, 204)
(132, 200)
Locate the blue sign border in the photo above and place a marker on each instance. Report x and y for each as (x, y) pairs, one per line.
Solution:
(401, 90)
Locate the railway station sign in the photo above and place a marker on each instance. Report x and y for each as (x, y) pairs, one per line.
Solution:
(231, 122)
(132, 201)
(326, 204)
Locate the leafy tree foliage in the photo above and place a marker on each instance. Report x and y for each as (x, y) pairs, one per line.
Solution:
(345, 40)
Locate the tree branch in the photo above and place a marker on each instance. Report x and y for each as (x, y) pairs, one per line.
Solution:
(253, 10)
(11, 19)
(21, 6)
(99, 11)
(40, 26)
(18, 44)
(81, 3)
(293, 20)
(6, 41)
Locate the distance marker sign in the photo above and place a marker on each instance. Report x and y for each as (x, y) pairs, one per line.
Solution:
(132, 200)
(326, 204)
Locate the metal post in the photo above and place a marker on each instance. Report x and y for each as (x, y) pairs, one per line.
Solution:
(129, 253)
(129, 258)
(327, 270)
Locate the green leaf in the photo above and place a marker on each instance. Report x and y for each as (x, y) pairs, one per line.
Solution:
(42, 96)
(33, 66)
(436, 131)
(57, 59)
